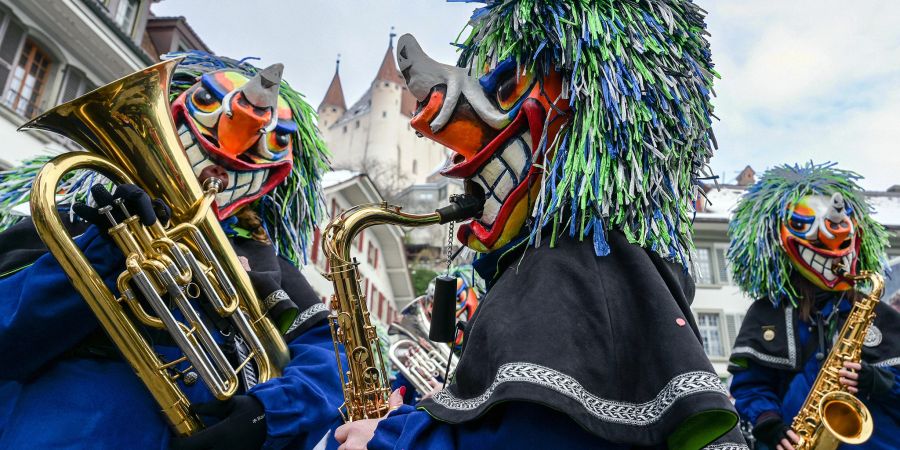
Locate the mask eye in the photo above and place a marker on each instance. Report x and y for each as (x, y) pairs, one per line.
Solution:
(799, 226)
(273, 148)
(512, 88)
(204, 100)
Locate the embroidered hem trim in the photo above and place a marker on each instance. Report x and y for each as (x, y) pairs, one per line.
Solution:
(306, 315)
(791, 360)
(649, 412)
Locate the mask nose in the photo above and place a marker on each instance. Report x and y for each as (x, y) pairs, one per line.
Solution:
(250, 111)
(837, 227)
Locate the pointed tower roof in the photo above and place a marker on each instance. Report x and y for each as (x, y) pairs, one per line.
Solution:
(334, 96)
(388, 70)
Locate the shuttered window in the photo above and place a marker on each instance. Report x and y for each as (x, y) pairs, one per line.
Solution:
(12, 36)
(75, 84)
(732, 327)
(723, 275)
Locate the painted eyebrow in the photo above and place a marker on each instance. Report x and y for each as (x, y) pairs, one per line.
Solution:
(489, 80)
(285, 126)
(209, 83)
(803, 219)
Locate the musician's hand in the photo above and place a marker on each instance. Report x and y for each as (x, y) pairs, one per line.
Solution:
(135, 200)
(772, 431)
(356, 435)
(435, 386)
(850, 376)
(243, 426)
(788, 442)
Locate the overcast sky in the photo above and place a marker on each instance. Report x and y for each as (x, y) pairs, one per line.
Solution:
(801, 79)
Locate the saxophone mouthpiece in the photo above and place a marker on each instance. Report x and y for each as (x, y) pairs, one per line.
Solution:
(461, 207)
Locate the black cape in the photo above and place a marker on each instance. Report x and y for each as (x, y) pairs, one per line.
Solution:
(784, 351)
(609, 340)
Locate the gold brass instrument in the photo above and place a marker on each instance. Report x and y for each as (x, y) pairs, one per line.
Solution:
(419, 359)
(129, 133)
(830, 415)
(366, 384)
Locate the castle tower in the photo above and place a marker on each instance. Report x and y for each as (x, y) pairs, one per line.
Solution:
(333, 105)
(373, 135)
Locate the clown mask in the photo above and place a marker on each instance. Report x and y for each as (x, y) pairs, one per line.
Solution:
(495, 125)
(236, 127)
(819, 233)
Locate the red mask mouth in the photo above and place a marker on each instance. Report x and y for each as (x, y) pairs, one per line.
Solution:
(243, 181)
(820, 263)
(502, 171)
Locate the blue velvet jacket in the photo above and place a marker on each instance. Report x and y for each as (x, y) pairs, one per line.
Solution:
(50, 399)
(758, 388)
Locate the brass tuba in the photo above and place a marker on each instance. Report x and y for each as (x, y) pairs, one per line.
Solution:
(413, 354)
(830, 415)
(129, 133)
(365, 383)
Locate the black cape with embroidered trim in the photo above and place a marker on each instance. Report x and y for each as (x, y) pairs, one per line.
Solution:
(609, 340)
(784, 351)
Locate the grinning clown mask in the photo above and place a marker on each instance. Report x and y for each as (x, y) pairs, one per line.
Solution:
(803, 220)
(236, 127)
(494, 125)
(818, 234)
(573, 117)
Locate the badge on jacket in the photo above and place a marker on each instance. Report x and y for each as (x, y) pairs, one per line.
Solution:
(873, 337)
(768, 333)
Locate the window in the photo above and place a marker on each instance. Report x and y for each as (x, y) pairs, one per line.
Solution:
(9, 47)
(415, 165)
(702, 267)
(712, 265)
(722, 273)
(125, 15)
(372, 255)
(359, 242)
(357, 124)
(384, 114)
(26, 84)
(345, 129)
(75, 84)
(708, 323)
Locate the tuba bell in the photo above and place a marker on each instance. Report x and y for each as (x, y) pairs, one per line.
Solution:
(129, 133)
(419, 359)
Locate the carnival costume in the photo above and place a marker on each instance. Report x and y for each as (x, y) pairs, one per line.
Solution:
(585, 127)
(70, 387)
(789, 232)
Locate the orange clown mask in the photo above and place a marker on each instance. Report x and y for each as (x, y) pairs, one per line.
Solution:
(237, 128)
(820, 235)
(499, 127)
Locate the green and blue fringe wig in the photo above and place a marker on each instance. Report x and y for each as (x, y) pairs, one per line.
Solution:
(288, 213)
(759, 264)
(638, 76)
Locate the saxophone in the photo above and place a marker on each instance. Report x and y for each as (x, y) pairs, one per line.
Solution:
(830, 415)
(365, 382)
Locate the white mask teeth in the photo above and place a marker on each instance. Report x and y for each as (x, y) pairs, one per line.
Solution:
(243, 183)
(502, 174)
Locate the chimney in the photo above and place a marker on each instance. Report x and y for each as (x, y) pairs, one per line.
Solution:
(746, 177)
